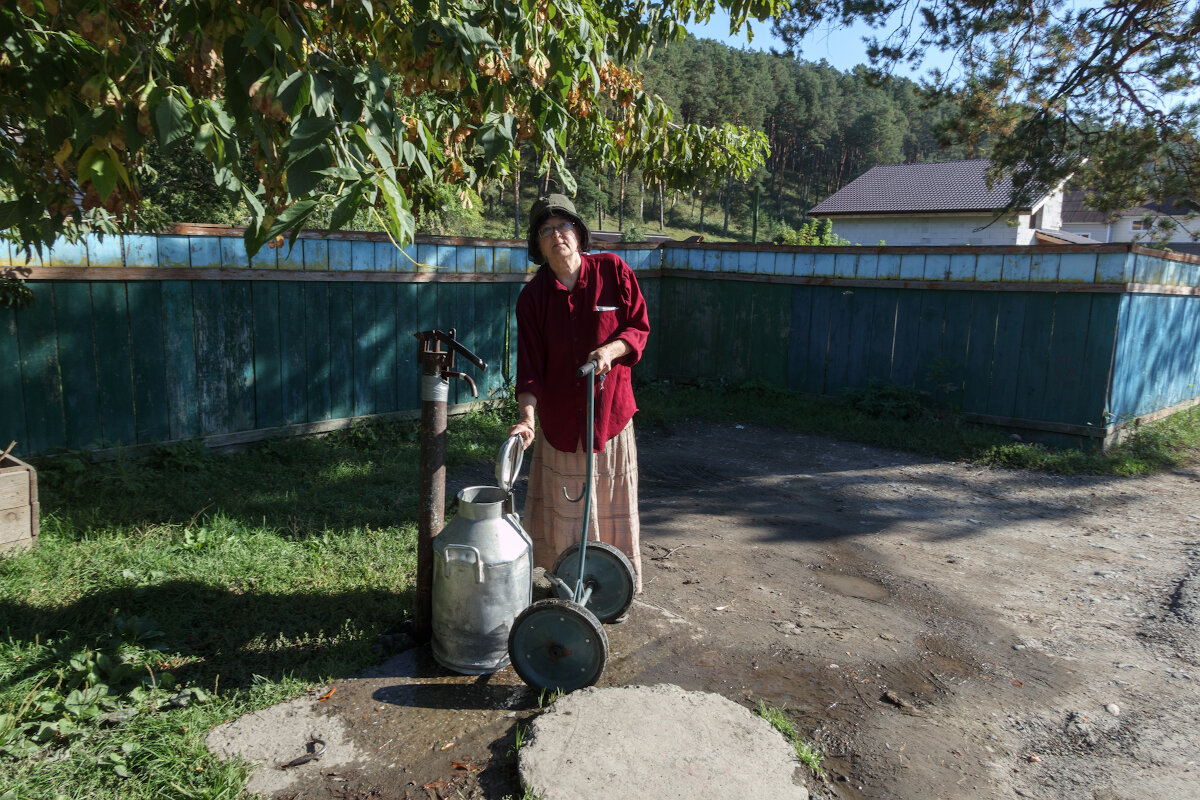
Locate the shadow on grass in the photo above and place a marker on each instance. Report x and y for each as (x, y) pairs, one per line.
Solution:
(366, 476)
(214, 637)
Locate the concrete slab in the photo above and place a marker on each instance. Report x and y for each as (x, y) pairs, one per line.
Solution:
(656, 741)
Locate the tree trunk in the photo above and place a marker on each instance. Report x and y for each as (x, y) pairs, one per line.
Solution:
(517, 198)
(661, 208)
(621, 201)
(599, 205)
(728, 201)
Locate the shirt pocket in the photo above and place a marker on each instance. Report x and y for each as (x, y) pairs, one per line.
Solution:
(607, 321)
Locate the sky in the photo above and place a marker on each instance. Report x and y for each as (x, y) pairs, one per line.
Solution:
(843, 48)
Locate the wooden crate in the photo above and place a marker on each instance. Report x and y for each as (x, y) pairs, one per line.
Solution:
(18, 504)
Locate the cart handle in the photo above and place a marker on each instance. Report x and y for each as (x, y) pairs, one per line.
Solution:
(468, 548)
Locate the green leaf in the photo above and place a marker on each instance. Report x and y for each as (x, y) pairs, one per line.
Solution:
(171, 120)
(292, 93)
(344, 211)
(341, 173)
(322, 94)
(292, 217)
(376, 146)
(307, 135)
(305, 176)
(102, 169)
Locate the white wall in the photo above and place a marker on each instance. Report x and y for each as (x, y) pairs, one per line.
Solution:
(949, 230)
(1121, 230)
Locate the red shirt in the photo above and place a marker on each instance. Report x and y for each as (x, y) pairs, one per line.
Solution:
(556, 329)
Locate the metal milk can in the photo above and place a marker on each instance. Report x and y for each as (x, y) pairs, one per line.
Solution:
(482, 573)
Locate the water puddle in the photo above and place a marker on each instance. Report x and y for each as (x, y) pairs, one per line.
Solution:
(852, 586)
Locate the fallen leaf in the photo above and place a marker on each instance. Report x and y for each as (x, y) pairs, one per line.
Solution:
(1016, 682)
(446, 746)
(467, 765)
(435, 785)
(327, 695)
(1034, 757)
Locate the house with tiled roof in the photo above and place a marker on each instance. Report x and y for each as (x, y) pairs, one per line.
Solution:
(1146, 223)
(946, 203)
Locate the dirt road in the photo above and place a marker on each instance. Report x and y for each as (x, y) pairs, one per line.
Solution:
(944, 630)
(940, 630)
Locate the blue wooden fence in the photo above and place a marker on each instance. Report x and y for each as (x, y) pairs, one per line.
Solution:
(142, 339)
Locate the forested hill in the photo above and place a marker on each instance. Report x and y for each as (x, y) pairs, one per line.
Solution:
(825, 126)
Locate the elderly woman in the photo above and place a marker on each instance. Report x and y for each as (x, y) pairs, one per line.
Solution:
(579, 307)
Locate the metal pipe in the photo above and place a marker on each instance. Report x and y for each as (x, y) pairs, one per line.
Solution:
(433, 502)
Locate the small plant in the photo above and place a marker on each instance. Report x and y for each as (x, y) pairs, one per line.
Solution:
(806, 751)
(549, 700)
(888, 401)
(519, 733)
(632, 233)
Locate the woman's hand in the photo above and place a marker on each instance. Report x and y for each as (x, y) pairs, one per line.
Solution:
(606, 354)
(525, 431)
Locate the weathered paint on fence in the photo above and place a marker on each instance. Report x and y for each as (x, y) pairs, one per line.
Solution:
(143, 339)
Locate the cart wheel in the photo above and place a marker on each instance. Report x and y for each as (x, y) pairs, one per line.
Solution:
(609, 572)
(558, 645)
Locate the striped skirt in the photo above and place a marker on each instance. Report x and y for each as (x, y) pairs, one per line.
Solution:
(554, 523)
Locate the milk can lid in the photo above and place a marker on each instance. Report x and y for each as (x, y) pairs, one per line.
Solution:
(508, 463)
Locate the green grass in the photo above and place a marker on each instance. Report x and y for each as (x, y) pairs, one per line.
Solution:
(245, 578)
(904, 419)
(806, 751)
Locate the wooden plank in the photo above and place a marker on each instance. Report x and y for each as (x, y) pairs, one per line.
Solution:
(239, 353)
(114, 367)
(1127, 377)
(651, 292)
(841, 335)
(907, 336)
(212, 381)
(956, 336)
(12, 410)
(1065, 392)
(408, 370)
(773, 317)
(268, 367)
(798, 338)
(671, 299)
(317, 367)
(929, 367)
(1006, 358)
(981, 347)
(179, 339)
(1036, 343)
(858, 350)
(492, 300)
(730, 328)
(883, 336)
(699, 319)
(292, 353)
(341, 350)
(77, 360)
(149, 361)
(44, 419)
(386, 344)
(364, 349)
(464, 323)
(817, 358)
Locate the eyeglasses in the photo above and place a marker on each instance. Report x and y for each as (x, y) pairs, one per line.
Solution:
(546, 231)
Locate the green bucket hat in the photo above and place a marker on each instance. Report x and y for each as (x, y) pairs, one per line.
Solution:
(547, 206)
